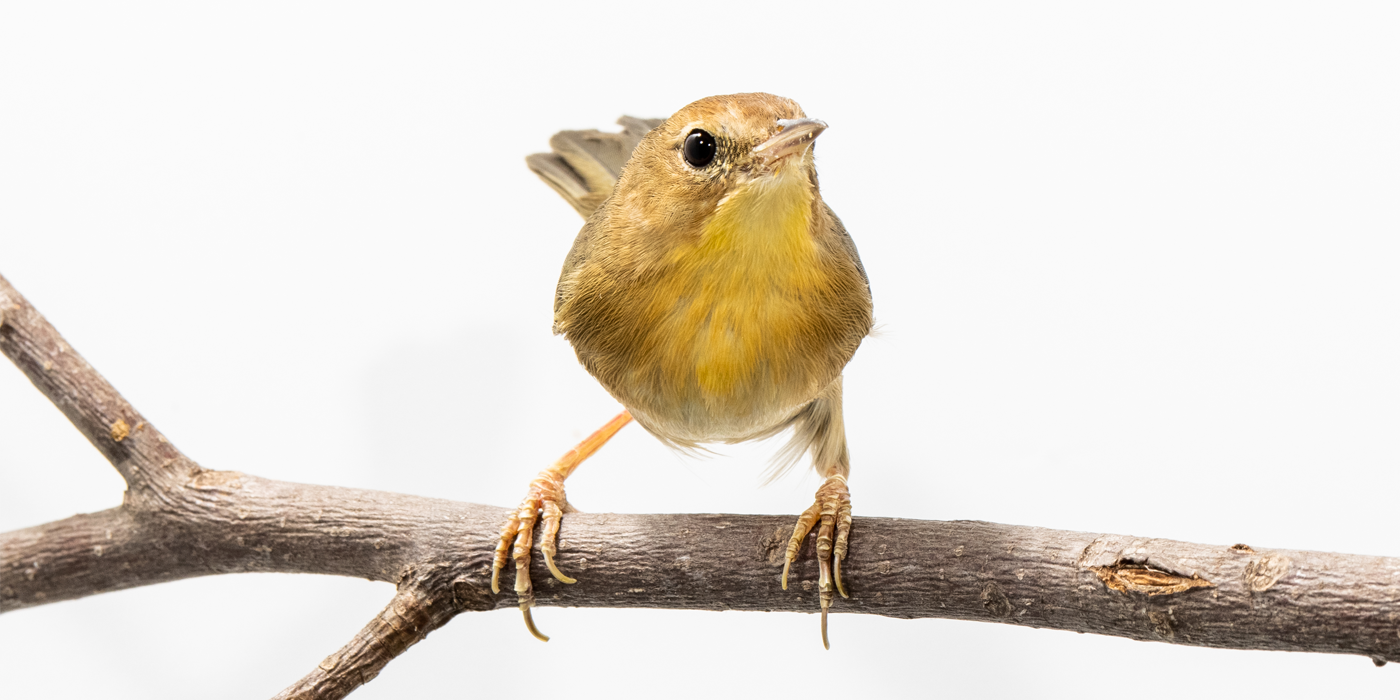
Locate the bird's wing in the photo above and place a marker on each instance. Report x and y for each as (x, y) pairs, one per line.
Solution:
(585, 164)
(847, 243)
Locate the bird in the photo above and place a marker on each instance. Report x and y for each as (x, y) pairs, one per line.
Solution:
(716, 296)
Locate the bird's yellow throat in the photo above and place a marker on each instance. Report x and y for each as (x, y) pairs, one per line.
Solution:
(734, 293)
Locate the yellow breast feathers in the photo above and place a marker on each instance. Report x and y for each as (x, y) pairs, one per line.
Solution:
(736, 293)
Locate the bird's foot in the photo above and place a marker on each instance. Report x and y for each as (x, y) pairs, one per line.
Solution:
(546, 495)
(833, 510)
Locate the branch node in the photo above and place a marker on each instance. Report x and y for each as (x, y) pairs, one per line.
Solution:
(1261, 574)
(1141, 579)
(995, 600)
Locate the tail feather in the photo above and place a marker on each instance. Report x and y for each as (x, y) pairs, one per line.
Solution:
(586, 164)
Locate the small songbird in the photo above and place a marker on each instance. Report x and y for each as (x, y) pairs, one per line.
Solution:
(715, 295)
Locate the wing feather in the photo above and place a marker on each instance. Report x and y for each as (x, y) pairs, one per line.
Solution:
(584, 165)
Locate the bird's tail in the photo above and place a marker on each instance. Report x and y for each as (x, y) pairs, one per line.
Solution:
(586, 164)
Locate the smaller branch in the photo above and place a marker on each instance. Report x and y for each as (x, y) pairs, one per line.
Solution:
(145, 459)
(421, 605)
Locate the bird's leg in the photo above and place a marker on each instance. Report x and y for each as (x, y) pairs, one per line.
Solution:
(546, 495)
(833, 510)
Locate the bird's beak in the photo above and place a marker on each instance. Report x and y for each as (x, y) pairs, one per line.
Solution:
(795, 137)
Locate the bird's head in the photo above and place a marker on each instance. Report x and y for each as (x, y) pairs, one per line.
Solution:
(751, 150)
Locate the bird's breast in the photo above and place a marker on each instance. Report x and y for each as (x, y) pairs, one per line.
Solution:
(735, 320)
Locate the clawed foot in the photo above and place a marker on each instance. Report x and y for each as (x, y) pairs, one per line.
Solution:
(546, 495)
(833, 509)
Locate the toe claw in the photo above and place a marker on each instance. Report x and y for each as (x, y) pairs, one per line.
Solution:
(549, 561)
(825, 641)
(503, 549)
(553, 516)
(840, 587)
(530, 623)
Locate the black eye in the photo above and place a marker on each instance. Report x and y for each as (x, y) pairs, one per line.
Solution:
(699, 148)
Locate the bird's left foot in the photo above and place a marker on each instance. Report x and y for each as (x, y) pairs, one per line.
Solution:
(833, 509)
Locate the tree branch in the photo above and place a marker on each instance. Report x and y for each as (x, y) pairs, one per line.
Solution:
(150, 465)
(422, 604)
(180, 521)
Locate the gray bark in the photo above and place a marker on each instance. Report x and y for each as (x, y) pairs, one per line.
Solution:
(179, 521)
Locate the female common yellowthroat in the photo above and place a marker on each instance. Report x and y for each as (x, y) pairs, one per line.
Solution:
(715, 295)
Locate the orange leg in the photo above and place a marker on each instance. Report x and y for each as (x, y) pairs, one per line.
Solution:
(546, 495)
(833, 509)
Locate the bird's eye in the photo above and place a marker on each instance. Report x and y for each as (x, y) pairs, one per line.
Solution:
(699, 148)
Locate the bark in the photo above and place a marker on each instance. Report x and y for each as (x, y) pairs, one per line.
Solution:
(179, 521)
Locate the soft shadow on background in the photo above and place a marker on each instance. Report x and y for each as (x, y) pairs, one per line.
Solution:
(1135, 269)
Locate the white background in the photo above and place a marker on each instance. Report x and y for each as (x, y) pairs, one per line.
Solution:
(1135, 269)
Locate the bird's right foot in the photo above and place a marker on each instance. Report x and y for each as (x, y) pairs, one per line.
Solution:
(546, 496)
